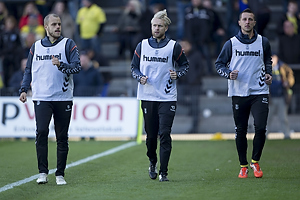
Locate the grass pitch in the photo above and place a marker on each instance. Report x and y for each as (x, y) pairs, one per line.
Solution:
(197, 170)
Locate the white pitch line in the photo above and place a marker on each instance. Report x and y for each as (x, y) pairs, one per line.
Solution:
(79, 162)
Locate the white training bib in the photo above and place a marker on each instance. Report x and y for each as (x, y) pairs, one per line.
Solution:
(248, 59)
(48, 83)
(156, 63)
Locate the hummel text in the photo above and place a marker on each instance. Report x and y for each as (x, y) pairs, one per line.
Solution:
(155, 59)
(47, 57)
(247, 53)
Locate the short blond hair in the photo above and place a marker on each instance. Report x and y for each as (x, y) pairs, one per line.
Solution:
(163, 16)
(46, 19)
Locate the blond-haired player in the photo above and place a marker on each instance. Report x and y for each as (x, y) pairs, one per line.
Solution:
(153, 65)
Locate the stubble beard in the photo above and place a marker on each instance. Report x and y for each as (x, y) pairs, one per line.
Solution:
(54, 35)
(159, 36)
(247, 31)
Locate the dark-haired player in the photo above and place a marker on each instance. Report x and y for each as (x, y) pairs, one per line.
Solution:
(245, 61)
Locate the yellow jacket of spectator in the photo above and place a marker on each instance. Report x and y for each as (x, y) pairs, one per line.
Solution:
(90, 20)
(38, 30)
(287, 74)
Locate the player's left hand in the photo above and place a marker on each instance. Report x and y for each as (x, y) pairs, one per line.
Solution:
(268, 79)
(55, 61)
(23, 97)
(173, 74)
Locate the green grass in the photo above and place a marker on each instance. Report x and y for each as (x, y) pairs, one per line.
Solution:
(197, 170)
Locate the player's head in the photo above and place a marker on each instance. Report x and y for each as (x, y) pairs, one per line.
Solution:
(52, 25)
(159, 24)
(247, 21)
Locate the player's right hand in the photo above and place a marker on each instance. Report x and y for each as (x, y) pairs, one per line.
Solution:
(55, 61)
(234, 74)
(143, 80)
(23, 97)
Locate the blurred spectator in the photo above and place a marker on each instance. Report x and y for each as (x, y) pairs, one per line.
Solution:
(218, 31)
(14, 9)
(43, 7)
(290, 15)
(67, 23)
(17, 78)
(28, 42)
(91, 20)
(243, 4)
(30, 9)
(73, 7)
(89, 81)
(3, 15)
(181, 6)
(281, 94)
(289, 44)
(34, 27)
(233, 15)
(99, 60)
(190, 85)
(10, 48)
(262, 14)
(286, 2)
(198, 27)
(128, 28)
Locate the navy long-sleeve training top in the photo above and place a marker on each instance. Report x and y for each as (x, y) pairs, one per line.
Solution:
(72, 67)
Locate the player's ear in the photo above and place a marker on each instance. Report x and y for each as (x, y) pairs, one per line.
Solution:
(166, 28)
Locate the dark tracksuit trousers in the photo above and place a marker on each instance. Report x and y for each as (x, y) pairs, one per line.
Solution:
(158, 117)
(258, 105)
(61, 111)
